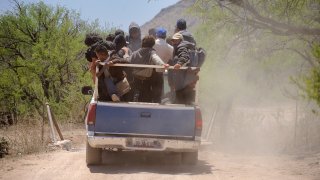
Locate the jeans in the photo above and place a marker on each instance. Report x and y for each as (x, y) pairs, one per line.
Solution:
(142, 90)
(111, 87)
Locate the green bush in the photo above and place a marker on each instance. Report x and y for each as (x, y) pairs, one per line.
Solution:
(42, 60)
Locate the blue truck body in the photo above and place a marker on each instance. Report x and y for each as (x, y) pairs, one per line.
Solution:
(145, 119)
(139, 126)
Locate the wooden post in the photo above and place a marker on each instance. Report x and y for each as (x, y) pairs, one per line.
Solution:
(53, 136)
(42, 124)
(57, 126)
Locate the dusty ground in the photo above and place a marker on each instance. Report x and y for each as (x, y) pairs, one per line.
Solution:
(213, 164)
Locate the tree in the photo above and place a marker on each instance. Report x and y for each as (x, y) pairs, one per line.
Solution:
(268, 31)
(256, 49)
(41, 57)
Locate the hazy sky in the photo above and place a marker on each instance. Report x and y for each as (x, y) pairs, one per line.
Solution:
(119, 13)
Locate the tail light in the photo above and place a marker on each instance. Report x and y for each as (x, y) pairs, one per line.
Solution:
(91, 119)
(198, 119)
(198, 125)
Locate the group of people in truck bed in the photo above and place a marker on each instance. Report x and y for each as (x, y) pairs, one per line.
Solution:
(142, 84)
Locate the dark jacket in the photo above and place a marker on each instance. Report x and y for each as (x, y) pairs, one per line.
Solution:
(181, 53)
(179, 79)
(117, 73)
(187, 36)
(134, 43)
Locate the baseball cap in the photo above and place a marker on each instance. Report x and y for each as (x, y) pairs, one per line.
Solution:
(177, 36)
(161, 32)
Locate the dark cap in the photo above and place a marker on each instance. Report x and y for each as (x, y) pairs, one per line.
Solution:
(181, 24)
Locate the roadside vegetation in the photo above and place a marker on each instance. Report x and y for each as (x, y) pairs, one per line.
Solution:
(261, 54)
(41, 60)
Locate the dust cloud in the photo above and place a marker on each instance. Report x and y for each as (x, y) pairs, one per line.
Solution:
(250, 105)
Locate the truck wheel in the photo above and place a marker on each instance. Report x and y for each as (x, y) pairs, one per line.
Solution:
(93, 155)
(190, 158)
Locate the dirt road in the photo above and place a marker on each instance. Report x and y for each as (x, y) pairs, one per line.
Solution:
(212, 165)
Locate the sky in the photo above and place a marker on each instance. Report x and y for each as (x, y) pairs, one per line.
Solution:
(110, 13)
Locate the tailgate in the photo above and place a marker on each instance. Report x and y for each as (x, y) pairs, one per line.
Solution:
(145, 119)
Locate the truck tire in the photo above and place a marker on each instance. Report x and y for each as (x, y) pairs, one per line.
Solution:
(190, 158)
(93, 155)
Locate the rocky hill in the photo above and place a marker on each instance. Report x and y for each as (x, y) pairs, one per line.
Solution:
(168, 17)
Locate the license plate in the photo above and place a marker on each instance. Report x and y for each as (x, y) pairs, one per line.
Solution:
(144, 143)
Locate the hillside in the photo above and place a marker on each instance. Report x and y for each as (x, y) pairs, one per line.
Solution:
(167, 17)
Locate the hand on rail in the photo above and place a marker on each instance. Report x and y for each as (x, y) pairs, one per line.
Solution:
(98, 62)
(177, 66)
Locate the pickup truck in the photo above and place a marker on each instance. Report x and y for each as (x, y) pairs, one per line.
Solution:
(139, 126)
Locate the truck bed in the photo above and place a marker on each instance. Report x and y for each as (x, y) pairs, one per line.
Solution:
(145, 119)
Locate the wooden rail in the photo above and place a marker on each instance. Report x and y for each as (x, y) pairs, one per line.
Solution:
(149, 66)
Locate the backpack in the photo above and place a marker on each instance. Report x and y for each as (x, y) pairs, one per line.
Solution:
(189, 77)
(197, 57)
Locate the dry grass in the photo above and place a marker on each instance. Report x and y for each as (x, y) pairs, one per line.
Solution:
(25, 138)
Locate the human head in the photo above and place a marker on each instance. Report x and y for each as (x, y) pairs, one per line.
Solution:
(108, 44)
(176, 39)
(148, 42)
(101, 52)
(92, 38)
(181, 25)
(119, 31)
(119, 42)
(134, 31)
(161, 33)
(152, 32)
(90, 54)
(110, 37)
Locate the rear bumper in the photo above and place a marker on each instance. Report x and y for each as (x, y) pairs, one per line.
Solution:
(121, 142)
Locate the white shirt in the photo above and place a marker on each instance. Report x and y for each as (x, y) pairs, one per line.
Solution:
(163, 50)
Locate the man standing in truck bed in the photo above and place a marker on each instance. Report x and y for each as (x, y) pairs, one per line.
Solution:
(181, 27)
(179, 80)
(165, 52)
